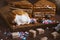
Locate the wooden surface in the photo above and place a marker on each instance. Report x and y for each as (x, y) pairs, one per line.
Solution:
(27, 27)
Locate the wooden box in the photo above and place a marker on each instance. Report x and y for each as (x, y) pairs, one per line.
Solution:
(45, 7)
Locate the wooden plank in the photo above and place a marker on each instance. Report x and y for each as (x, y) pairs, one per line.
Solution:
(33, 26)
